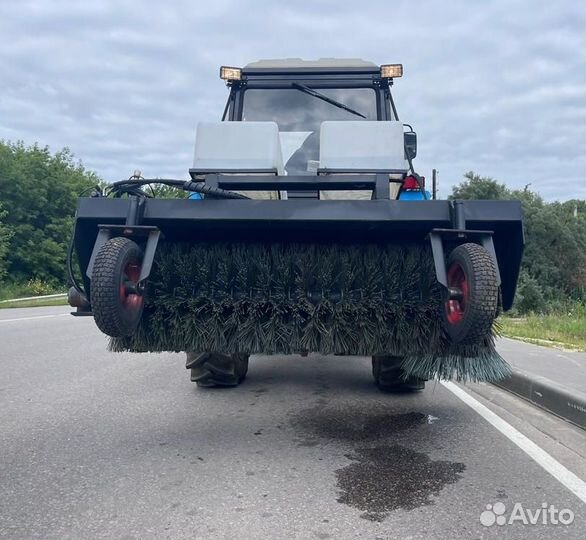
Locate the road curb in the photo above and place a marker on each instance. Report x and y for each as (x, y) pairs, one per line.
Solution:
(546, 394)
(560, 345)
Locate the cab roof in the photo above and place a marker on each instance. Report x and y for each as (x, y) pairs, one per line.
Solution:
(322, 65)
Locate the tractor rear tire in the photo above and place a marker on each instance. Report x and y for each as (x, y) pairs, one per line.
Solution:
(117, 311)
(389, 377)
(216, 369)
(471, 270)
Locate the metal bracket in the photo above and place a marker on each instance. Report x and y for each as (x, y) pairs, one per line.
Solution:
(436, 237)
(437, 249)
(135, 212)
(102, 238)
(152, 235)
(458, 215)
(149, 254)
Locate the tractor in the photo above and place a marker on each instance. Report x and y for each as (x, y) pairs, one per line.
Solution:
(302, 227)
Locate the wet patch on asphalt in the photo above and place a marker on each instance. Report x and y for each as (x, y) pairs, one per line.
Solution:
(386, 478)
(382, 476)
(356, 425)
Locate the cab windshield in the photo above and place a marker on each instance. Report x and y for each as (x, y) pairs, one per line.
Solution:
(299, 116)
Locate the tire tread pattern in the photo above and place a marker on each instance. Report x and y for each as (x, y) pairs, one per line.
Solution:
(216, 370)
(106, 306)
(483, 297)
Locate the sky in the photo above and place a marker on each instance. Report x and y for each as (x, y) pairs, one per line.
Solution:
(497, 87)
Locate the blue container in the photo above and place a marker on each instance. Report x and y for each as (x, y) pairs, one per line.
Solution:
(414, 195)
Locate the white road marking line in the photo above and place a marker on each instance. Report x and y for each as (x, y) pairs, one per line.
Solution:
(35, 317)
(566, 477)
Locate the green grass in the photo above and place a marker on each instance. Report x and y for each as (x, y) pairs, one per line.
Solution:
(568, 330)
(26, 289)
(35, 303)
(32, 287)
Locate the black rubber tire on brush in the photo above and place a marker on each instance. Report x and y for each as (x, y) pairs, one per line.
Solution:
(388, 375)
(215, 369)
(481, 303)
(112, 316)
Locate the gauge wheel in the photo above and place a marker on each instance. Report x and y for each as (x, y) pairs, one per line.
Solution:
(472, 296)
(116, 297)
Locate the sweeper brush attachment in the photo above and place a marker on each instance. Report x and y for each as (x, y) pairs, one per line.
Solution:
(428, 297)
(306, 229)
(283, 299)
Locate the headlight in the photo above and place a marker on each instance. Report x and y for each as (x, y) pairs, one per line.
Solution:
(390, 71)
(230, 73)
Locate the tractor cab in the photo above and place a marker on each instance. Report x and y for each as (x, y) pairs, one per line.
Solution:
(299, 96)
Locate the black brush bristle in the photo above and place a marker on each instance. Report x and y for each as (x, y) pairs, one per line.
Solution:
(287, 298)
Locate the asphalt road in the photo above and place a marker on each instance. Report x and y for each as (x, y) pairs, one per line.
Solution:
(565, 367)
(122, 446)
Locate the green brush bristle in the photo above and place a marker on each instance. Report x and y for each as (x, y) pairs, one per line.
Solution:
(288, 298)
(466, 364)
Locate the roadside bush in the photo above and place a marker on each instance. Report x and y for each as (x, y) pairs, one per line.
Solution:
(530, 297)
(38, 287)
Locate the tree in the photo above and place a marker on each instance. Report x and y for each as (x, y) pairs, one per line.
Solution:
(5, 235)
(39, 192)
(480, 188)
(160, 191)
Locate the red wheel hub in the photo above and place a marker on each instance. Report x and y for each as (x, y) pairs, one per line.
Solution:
(456, 304)
(128, 297)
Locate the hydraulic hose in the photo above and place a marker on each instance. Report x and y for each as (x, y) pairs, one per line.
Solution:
(133, 184)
